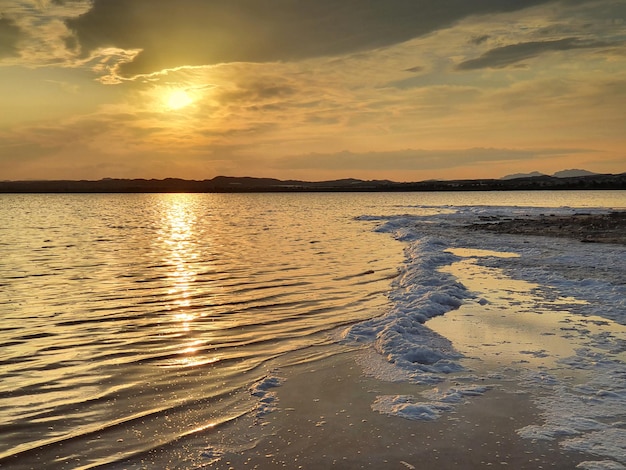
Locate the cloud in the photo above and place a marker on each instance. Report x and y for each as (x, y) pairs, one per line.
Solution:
(255, 92)
(479, 39)
(508, 55)
(417, 68)
(293, 118)
(414, 159)
(33, 33)
(200, 32)
(10, 34)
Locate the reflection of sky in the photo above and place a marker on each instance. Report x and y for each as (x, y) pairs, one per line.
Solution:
(469, 252)
(510, 324)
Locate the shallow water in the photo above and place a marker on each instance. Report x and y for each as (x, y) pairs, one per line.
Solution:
(136, 319)
(131, 321)
(510, 326)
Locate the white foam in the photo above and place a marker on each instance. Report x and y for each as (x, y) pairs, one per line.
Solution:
(408, 406)
(266, 398)
(413, 408)
(585, 413)
(420, 292)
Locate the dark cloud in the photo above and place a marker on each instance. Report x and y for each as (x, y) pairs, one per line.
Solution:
(255, 92)
(479, 39)
(417, 68)
(201, 32)
(10, 34)
(508, 55)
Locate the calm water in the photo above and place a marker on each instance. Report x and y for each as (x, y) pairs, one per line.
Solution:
(128, 322)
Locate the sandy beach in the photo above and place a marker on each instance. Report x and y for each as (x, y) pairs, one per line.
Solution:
(324, 419)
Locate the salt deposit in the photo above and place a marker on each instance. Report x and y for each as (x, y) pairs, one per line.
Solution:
(575, 370)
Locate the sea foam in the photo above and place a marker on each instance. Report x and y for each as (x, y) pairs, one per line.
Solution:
(420, 292)
(583, 411)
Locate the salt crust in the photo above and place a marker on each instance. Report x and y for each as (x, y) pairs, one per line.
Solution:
(587, 417)
(420, 293)
(601, 465)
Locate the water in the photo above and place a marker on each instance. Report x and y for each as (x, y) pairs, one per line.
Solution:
(129, 322)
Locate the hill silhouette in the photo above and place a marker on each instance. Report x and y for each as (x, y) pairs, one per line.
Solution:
(229, 184)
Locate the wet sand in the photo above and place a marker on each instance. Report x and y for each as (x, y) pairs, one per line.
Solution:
(325, 420)
(590, 228)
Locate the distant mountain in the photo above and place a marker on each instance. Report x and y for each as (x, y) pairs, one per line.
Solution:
(573, 173)
(522, 175)
(225, 184)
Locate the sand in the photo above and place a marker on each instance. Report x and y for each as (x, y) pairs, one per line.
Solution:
(590, 228)
(325, 420)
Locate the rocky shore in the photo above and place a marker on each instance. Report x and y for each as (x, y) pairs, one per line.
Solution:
(589, 228)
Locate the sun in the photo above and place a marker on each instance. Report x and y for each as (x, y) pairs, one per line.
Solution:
(178, 99)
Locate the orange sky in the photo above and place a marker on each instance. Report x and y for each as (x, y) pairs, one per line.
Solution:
(312, 90)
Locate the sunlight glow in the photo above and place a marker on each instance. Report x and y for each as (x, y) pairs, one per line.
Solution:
(178, 99)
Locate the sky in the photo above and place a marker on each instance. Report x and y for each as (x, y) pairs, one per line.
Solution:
(406, 90)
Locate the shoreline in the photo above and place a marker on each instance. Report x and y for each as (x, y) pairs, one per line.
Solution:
(324, 419)
(588, 228)
(325, 413)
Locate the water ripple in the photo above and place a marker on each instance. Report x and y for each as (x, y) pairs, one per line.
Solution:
(131, 321)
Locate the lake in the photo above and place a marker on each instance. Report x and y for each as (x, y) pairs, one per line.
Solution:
(129, 322)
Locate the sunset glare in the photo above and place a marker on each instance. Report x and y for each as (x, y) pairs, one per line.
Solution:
(178, 99)
(312, 90)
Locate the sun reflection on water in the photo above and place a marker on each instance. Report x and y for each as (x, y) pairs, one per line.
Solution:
(180, 243)
(180, 219)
